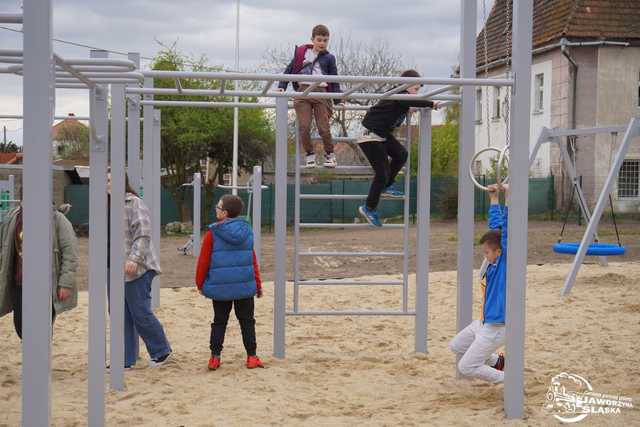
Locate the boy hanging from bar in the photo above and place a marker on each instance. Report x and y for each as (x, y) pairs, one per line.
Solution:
(314, 59)
(386, 155)
(478, 342)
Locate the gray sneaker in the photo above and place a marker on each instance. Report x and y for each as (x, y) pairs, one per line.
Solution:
(310, 161)
(156, 363)
(330, 160)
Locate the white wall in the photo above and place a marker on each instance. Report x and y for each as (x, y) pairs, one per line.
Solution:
(497, 128)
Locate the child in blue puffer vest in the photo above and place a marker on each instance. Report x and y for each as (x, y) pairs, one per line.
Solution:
(228, 273)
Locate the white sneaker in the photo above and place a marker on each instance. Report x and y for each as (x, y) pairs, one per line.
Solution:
(310, 161)
(369, 136)
(159, 362)
(330, 160)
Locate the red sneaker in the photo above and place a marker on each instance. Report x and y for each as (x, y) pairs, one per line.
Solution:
(254, 362)
(214, 363)
(500, 363)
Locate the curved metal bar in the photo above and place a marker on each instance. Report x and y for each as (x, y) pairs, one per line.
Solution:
(326, 78)
(473, 159)
(275, 94)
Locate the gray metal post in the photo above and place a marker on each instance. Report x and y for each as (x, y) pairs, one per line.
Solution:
(147, 143)
(133, 134)
(97, 248)
(37, 198)
(116, 217)
(197, 203)
(405, 229)
(423, 213)
(518, 209)
(466, 148)
(280, 284)
(147, 164)
(155, 202)
(12, 187)
(257, 212)
(296, 223)
(632, 131)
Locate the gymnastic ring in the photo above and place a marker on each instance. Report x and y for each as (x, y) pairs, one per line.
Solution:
(473, 159)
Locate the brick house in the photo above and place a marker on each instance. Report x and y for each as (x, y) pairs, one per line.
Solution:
(586, 73)
(68, 126)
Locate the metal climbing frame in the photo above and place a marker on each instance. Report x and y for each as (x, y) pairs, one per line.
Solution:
(297, 281)
(43, 71)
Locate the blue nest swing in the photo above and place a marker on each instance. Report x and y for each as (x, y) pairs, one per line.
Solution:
(594, 249)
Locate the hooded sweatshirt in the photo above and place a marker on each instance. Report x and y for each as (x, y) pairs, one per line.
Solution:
(227, 267)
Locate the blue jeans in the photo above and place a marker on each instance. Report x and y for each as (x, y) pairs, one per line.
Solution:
(140, 320)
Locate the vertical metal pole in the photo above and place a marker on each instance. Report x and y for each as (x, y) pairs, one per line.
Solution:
(296, 225)
(116, 217)
(280, 250)
(147, 143)
(257, 212)
(197, 204)
(518, 209)
(423, 213)
(133, 134)
(97, 248)
(405, 229)
(147, 164)
(12, 187)
(236, 111)
(155, 203)
(632, 131)
(37, 198)
(466, 148)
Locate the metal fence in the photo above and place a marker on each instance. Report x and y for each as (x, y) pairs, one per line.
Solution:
(444, 199)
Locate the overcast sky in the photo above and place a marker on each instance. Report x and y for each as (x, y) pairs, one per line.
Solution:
(425, 32)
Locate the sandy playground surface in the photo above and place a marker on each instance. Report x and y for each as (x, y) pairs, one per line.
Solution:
(353, 371)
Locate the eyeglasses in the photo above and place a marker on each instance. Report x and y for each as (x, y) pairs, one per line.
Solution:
(219, 208)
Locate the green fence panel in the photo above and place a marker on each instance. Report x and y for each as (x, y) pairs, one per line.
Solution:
(77, 195)
(443, 201)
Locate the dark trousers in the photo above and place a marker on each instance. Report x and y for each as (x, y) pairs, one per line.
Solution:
(378, 154)
(244, 312)
(17, 311)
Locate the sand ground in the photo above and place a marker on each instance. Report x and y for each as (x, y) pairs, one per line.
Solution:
(353, 371)
(178, 269)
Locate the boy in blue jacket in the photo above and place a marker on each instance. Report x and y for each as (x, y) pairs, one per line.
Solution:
(228, 273)
(478, 342)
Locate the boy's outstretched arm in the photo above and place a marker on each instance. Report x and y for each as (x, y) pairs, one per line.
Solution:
(495, 210)
(505, 218)
(416, 103)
